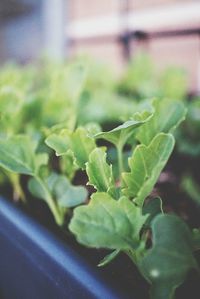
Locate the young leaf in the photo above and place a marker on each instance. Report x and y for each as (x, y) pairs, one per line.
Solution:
(17, 154)
(122, 133)
(146, 165)
(60, 143)
(168, 114)
(100, 173)
(61, 190)
(108, 223)
(78, 143)
(82, 145)
(167, 263)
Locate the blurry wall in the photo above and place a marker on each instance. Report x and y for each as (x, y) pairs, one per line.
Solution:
(95, 27)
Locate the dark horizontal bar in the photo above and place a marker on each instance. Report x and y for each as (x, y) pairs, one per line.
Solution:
(163, 34)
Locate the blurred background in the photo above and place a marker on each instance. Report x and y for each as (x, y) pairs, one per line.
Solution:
(109, 30)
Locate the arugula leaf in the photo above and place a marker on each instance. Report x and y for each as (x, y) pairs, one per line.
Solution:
(82, 145)
(60, 143)
(170, 259)
(100, 173)
(108, 223)
(17, 154)
(78, 143)
(122, 133)
(146, 165)
(168, 114)
(65, 194)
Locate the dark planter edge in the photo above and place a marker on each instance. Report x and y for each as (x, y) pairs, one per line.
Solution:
(61, 269)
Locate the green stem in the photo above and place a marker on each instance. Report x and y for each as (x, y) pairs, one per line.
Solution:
(18, 192)
(51, 203)
(120, 159)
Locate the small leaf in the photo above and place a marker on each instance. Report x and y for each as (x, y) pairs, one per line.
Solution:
(17, 154)
(60, 143)
(168, 114)
(146, 165)
(122, 133)
(78, 143)
(100, 173)
(60, 189)
(108, 223)
(82, 145)
(168, 262)
(68, 195)
(109, 258)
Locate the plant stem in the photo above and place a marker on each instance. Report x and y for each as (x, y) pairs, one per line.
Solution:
(51, 203)
(18, 192)
(120, 159)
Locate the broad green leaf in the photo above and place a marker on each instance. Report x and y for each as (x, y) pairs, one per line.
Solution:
(108, 223)
(122, 133)
(109, 258)
(146, 165)
(100, 173)
(78, 143)
(17, 154)
(168, 262)
(61, 190)
(168, 114)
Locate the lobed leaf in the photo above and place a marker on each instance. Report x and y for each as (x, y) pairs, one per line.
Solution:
(168, 114)
(17, 154)
(168, 262)
(108, 223)
(146, 165)
(78, 143)
(100, 173)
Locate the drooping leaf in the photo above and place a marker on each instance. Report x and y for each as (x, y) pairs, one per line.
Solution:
(108, 223)
(61, 190)
(168, 114)
(122, 133)
(146, 165)
(17, 154)
(100, 173)
(170, 259)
